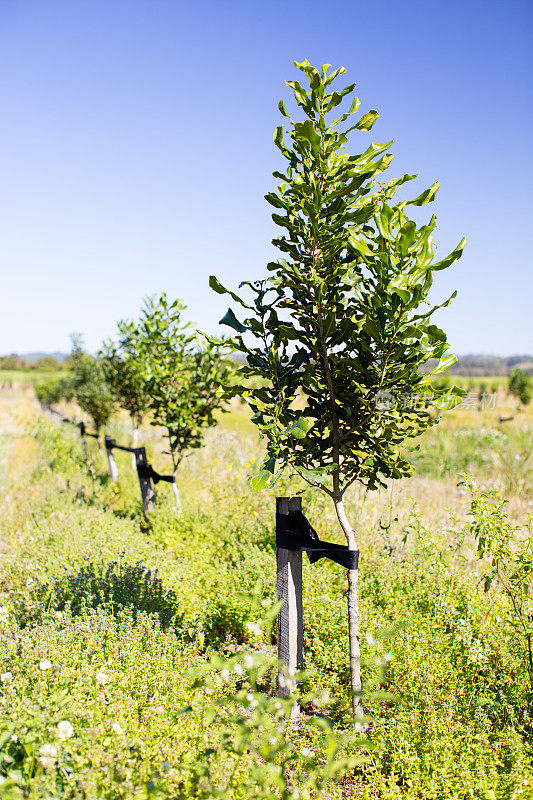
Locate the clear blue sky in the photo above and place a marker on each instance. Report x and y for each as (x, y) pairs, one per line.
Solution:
(136, 147)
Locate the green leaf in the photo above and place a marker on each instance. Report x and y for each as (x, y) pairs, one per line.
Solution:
(306, 130)
(281, 106)
(231, 320)
(449, 260)
(274, 200)
(265, 478)
(445, 363)
(335, 74)
(318, 475)
(426, 197)
(367, 120)
(215, 284)
(299, 428)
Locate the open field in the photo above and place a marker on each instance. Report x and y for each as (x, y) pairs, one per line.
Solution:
(8, 377)
(103, 659)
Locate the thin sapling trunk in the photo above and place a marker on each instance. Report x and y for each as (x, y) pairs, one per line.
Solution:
(175, 465)
(135, 442)
(353, 614)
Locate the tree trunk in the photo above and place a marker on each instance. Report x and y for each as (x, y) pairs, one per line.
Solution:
(353, 615)
(135, 442)
(174, 470)
(176, 495)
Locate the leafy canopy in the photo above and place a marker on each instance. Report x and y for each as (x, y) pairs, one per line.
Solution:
(520, 386)
(125, 371)
(88, 385)
(334, 339)
(50, 390)
(183, 375)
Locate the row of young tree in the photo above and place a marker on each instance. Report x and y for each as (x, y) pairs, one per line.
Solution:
(158, 367)
(329, 343)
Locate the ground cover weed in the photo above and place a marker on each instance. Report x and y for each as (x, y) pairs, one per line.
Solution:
(458, 725)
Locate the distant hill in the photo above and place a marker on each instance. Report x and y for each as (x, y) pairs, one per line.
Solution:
(33, 361)
(477, 366)
(469, 365)
(38, 355)
(491, 365)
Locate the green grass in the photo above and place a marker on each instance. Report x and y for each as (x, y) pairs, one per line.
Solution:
(10, 376)
(454, 721)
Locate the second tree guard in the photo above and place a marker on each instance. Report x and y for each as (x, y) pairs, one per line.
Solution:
(147, 490)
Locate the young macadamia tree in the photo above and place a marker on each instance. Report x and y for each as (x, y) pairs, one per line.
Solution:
(126, 373)
(183, 377)
(339, 331)
(88, 386)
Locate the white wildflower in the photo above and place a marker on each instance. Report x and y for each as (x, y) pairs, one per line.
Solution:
(102, 678)
(6, 677)
(44, 665)
(47, 755)
(115, 727)
(306, 752)
(64, 730)
(253, 627)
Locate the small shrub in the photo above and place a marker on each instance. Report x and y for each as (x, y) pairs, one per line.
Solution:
(114, 587)
(507, 553)
(520, 386)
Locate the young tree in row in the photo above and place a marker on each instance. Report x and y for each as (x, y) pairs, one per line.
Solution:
(88, 385)
(342, 324)
(50, 390)
(182, 376)
(520, 386)
(126, 374)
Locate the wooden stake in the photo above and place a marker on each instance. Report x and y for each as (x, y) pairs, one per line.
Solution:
(147, 490)
(113, 469)
(81, 427)
(290, 617)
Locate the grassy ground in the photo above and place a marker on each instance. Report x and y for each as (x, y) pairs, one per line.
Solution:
(16, 378)
(109, 626)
